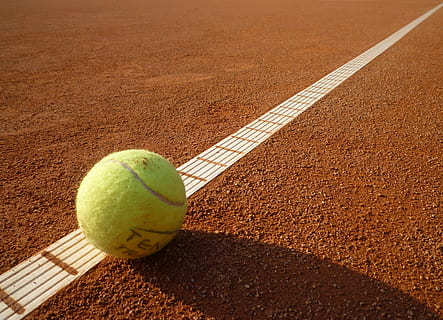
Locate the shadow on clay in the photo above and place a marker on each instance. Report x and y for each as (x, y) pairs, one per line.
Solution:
(232, 278)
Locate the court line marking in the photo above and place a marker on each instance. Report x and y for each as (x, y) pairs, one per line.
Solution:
(11, 303)
(244, 139)
(259, 130)
(192, 176)
(292, 108)
(282, 115)
(27, 285)
(213, 162)
(58, 262)
(230, 150)
(301, 102)
(271, 122)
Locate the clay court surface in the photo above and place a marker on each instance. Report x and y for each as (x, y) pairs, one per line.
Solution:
(336, 216)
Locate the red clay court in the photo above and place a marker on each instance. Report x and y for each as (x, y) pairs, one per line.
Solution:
(338, 215)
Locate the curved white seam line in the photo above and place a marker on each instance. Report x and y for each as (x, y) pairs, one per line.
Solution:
(83, 262)
(153, 192)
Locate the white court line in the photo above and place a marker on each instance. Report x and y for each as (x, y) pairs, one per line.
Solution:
(27, 285)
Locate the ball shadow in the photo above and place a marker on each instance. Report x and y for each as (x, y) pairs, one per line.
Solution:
(232, 278)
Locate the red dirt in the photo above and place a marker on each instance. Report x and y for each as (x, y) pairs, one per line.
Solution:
(336, 216)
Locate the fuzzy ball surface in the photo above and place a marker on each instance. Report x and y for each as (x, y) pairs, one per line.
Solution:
(131, 204)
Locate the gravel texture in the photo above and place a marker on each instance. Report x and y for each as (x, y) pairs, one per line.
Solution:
(337, 216)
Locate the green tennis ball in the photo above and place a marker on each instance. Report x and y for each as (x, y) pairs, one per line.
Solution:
(131, 203)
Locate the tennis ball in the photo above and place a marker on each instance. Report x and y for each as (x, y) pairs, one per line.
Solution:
(131, 203)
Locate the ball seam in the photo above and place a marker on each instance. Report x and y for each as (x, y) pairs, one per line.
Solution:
(145, 186)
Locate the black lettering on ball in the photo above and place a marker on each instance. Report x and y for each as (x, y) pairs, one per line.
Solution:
(144, 244)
